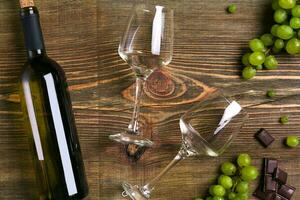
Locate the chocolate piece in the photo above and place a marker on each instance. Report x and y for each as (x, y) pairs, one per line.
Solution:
(279, 197)
(273, 183)
(264, 137)
(280, 176)
(270, 184)
(270, 165)
(286, 191)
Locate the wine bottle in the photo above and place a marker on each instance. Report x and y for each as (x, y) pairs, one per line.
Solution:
(49, 118)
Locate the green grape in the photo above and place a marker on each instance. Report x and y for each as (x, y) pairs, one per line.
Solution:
(284, 32)
(218, 190)
(232, 8)
(231, 195)
(287, 4)
(259, 67)
(293, 46)
(208, 198)
(298, 33)
(271, 62)
(279, 44)
(217, 198)
(242, 187)
(292, 141)
(248, 72)
(225, 181)
(267, 39)
(228, 168)
(296, 11)
(257, 58)
(274, 30)
(256, 45)
(295, 22)
(284, 119)
(275, 5)
(271, 93)
(244, 160)
(245, 59)
(249, 173)
(280, 16)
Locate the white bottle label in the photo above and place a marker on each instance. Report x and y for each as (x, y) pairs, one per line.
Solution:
(60, 135)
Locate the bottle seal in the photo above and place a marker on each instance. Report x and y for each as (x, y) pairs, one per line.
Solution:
(32, 29)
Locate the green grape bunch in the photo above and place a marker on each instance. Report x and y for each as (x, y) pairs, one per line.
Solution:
(284, 36)
(234, 181)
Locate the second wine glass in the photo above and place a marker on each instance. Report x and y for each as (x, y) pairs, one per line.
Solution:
(147, 45)
(208, 128)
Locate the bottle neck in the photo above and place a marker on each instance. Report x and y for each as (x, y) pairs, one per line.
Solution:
(34, 42)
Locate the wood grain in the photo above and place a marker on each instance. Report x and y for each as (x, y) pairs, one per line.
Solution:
(83, 37)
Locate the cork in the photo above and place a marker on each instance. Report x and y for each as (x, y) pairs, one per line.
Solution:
(26, 3)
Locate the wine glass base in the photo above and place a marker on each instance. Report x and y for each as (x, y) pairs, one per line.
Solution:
(126, 138)
(133, 192)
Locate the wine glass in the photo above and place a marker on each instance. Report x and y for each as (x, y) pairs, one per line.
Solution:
(207, 128)
(147, 45)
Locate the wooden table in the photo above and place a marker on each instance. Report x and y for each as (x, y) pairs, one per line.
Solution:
(83, 37)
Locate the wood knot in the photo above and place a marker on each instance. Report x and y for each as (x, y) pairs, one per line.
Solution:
(160, 85)
(165, 89)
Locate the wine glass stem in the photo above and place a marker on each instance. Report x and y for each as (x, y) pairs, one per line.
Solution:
(134, 126)
(146, 189)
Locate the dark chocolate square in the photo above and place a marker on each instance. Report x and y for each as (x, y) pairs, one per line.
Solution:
(264, 137)
(286, 191)
(270, 184)
(270, 165)
(280, 176)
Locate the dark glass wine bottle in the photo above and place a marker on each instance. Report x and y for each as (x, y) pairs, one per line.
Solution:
(49, 118)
